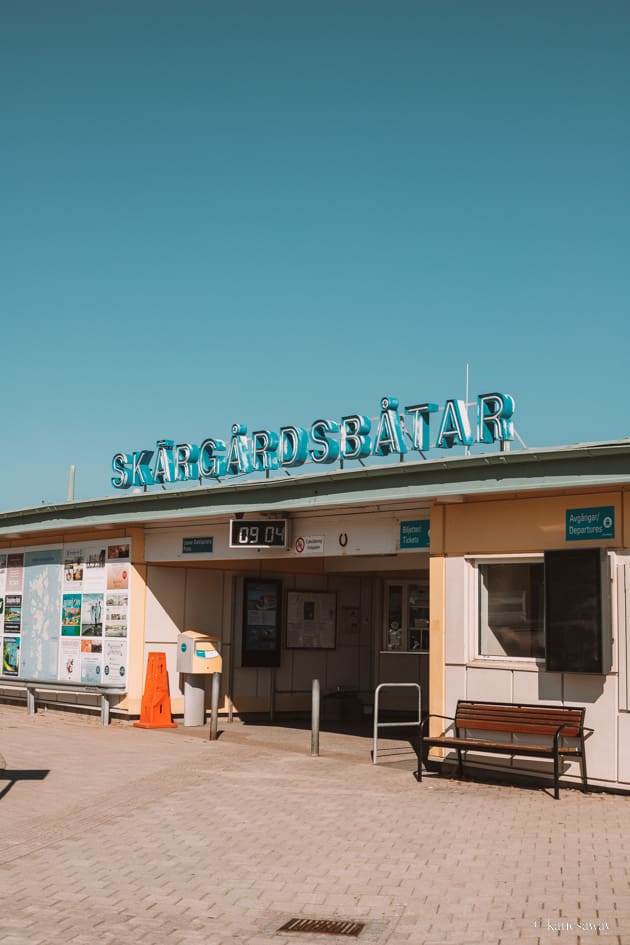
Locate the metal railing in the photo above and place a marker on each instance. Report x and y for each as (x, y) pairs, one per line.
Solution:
(378, 724)
(32, 686)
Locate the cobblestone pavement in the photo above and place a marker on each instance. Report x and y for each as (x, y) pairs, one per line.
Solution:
(125, 836)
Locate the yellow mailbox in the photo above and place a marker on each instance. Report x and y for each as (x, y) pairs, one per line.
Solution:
(197, 653)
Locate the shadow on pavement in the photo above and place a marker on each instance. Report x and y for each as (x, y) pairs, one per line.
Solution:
(7, 774)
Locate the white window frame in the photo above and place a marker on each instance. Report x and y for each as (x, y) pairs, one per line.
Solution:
(474, 611)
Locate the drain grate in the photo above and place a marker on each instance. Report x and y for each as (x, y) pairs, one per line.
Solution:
(324, 926)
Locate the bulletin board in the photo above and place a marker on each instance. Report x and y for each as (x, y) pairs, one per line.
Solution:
(311, 620)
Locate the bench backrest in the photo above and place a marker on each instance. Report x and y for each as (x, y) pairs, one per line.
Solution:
(521, 719)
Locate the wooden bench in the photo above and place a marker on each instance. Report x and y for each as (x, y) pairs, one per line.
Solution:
(545, 729)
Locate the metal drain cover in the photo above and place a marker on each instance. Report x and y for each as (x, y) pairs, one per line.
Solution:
(323, 927)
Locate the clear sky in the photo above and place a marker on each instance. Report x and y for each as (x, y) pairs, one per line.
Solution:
(270, 211)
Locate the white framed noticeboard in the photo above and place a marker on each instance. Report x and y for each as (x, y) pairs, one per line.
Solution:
(311, 620)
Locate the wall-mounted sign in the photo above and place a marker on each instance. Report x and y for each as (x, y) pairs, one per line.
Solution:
(269, 533)
(354, 437)
(590, 524)
(415, 534)
(309, 544)
(197, 546)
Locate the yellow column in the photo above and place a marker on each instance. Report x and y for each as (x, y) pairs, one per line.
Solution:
(137, 623)
(437, 619)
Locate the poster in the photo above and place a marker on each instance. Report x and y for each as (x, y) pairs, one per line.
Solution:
(311, 619)
(11, 656)
(70, 660)
(261, 623)
(94, 569)
(12, 613)
(116, 613)
(90, 668)
(3, 574)
(117, 577)
(92, 615)
(71, 615)
(115, 662)
(59, 604)
(73, 569)
(15, 573)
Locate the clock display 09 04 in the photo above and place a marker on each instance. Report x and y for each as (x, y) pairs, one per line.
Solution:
(271, 533)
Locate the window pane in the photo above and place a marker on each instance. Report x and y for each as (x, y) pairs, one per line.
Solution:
(418, 617)
(394, 639)
(511, 610)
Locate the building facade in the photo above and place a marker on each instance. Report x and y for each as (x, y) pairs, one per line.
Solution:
(498, 576)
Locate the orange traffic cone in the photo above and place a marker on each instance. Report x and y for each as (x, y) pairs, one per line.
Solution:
(155, 710)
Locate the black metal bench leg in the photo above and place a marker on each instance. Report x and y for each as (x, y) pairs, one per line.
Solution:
(583, 767)
(556, 789)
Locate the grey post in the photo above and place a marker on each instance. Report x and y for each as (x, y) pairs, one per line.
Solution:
(214, 706)
(315, 719)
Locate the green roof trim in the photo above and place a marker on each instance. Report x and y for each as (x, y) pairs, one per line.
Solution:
(587, 465)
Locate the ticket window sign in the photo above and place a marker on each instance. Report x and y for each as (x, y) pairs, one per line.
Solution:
(414, 534)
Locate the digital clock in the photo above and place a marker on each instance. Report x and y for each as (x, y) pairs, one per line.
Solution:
(271, 533)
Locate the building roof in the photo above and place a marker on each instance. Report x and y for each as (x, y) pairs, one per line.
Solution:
(598, 465)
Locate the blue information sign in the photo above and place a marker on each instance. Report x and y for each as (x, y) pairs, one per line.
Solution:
(196, 546)
(590, 524)
(414, 534)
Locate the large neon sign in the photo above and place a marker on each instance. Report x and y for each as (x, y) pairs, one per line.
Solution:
(326, 441)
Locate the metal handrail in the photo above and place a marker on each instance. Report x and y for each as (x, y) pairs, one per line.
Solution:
(377, 724)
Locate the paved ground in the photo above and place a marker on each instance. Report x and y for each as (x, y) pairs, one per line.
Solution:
(123, 836)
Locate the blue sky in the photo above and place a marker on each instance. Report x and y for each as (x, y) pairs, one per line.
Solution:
(269, 212)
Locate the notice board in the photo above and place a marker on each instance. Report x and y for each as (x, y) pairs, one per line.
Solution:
(311, 620)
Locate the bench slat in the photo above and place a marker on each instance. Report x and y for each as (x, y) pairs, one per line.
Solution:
(510, 748)
(523, 728)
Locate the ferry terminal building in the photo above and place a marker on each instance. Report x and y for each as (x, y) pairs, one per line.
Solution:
(503, 575)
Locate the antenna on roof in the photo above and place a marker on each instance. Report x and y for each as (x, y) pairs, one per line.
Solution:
(70, 493)
(467, 448)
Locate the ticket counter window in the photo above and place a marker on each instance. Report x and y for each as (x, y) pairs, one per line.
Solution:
(511, 610)
(406, 617)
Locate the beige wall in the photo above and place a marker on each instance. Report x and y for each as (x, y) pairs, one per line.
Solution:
(520, 525)
(525, 525)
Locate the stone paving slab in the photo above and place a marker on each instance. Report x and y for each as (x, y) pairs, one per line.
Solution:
(121, 835)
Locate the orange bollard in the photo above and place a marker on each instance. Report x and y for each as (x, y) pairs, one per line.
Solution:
(155, 709)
